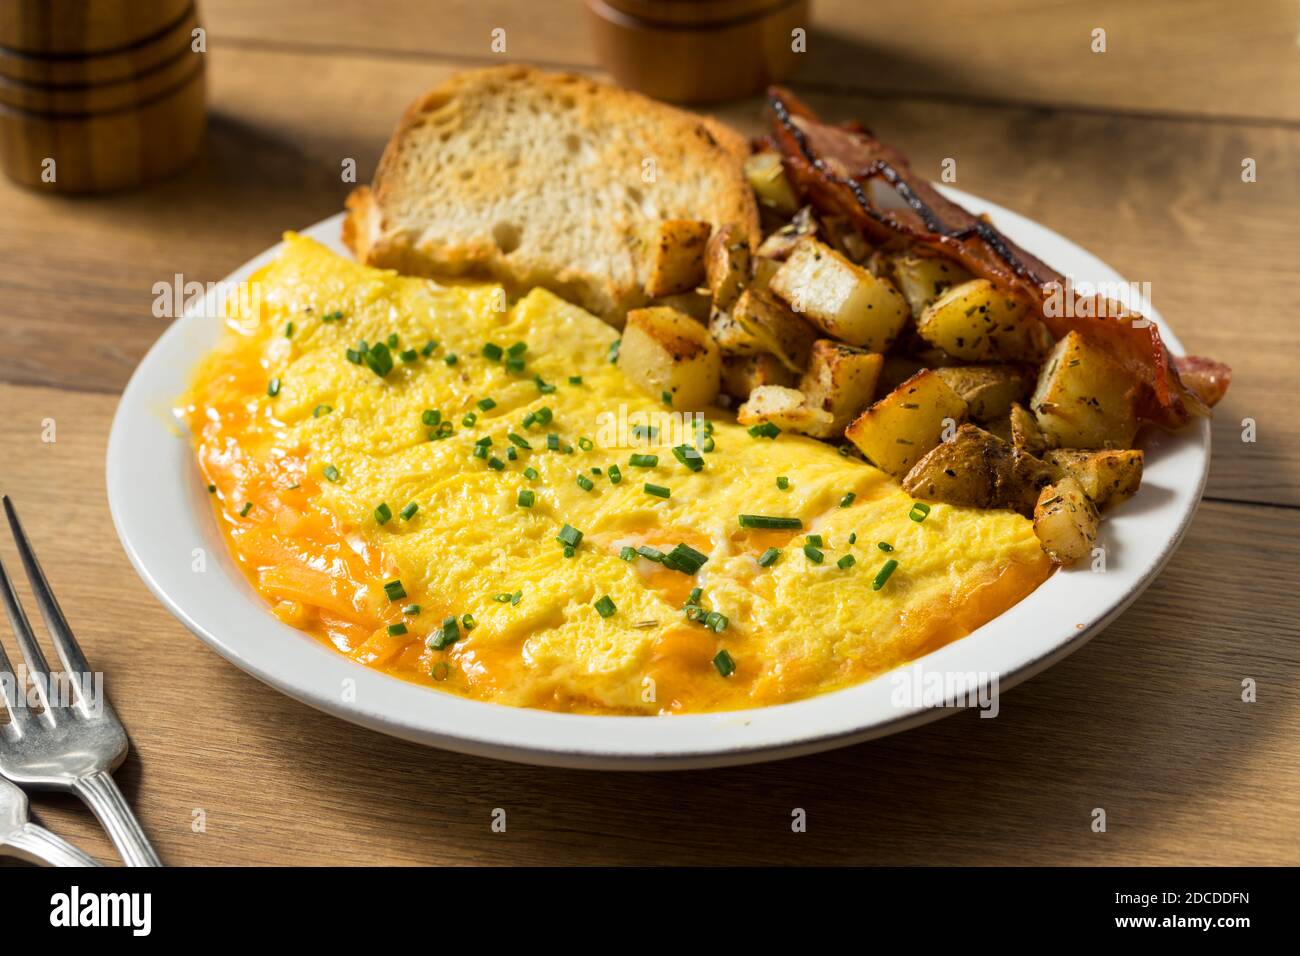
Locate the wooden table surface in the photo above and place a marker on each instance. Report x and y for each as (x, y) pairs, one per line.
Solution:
(1135, 153)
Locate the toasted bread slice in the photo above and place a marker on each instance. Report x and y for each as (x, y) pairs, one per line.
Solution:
(544, 179)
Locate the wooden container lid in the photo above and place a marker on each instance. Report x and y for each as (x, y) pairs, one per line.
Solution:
(691, 51)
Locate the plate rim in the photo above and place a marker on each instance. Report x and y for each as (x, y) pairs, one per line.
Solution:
(486, 729)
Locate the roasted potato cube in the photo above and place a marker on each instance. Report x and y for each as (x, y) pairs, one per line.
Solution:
(741, 374)
(786, 408)
(732, 337)
(1065, 520)
(676, 257)
(1083, 398)
(726, 265)
(843, 300)
(781, 243)
(980, 470)
(922, 279)
(777, 329)
(987, 390)
(841, 380)
(766, 175)
(1024, 430)
(1107, 477)
(977, 322)
(668, 353)
(897, 430)
(762, 270)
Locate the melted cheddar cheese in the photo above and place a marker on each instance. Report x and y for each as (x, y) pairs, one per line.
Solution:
(303, 444)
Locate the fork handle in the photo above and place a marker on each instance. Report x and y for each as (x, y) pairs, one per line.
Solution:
(38, 845)
(99, 792)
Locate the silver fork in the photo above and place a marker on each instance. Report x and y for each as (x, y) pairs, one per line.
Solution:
(24, 840)
(74, 745)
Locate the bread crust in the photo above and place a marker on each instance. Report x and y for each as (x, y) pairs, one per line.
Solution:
(621, 126)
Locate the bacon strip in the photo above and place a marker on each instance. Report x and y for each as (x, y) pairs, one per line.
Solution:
(842, 169)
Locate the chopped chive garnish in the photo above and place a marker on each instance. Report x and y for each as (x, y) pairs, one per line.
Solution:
(431, 417)
(764, 430)
(288, 330)
(651, 554)
(212, 489)
(486, 404)
(544, 415)
(884, 546)
(514, 364)
(496, 464)
(334, 316)
(446, 635)
(331, 473)
(320, 410)
(411, 610)
(492, 352)
(429, 346)
(643, 461)
(919, 511)
(725, 664)
(553, 442)
(575, 379)
(408, 355)
(395, 630)
(569, 536)
(519, 441)
(707, 444)
(768, 557)
(516, 597)
(530, 473)
(667, 397)
(394, 590)
(467, 622)
(481, 451)
(469, 420)
(409, 511)
(585, 443)
(689, 456)
(585, 483)
(716, 621)
(450, 358)
(684, 558)
(615, 475)
(502, 598)
(383, 513)
(783, 482)
(568, 551)
(546, 388)
(243, 512)
(695, 596)
(885, 571)
(391, 342)
(814, 555)
(485, 441)
(527, 497)
(847, 500)
(768, 521)
(627, 553)
(273, 387)
(379, 359)
(815, 540)
(612, 354)
(605, 607)
(846, 562)
(519, 348)
(659, 491)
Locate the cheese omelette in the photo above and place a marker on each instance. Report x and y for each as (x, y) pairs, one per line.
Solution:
(468, 493)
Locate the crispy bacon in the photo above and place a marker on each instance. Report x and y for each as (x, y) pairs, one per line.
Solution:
(843, 169)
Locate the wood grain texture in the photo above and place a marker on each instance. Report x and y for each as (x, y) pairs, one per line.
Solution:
(1146, 722)
(1182, 56)
(1161, 200)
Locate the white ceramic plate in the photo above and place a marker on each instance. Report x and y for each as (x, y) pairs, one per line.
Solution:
(162, 513)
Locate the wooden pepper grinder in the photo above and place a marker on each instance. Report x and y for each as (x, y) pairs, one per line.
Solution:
(693, 51)
(99, 95)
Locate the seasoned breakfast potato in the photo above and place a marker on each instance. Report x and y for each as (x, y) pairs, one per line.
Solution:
(776, 328)
(840, 380)
(979, 470)
(732, 337)
(786, 408)
(781, 243)
(1066, 521)
(978, 322)
(726, 265)
(767, 178)
(987, 390)
(677, 257)
(1083, 399)
(1025, 433)
(741, 374)
(762, 269)
(668, 353)
(843, 300)
(922, 279)
(1107, 477)
(900, 428)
